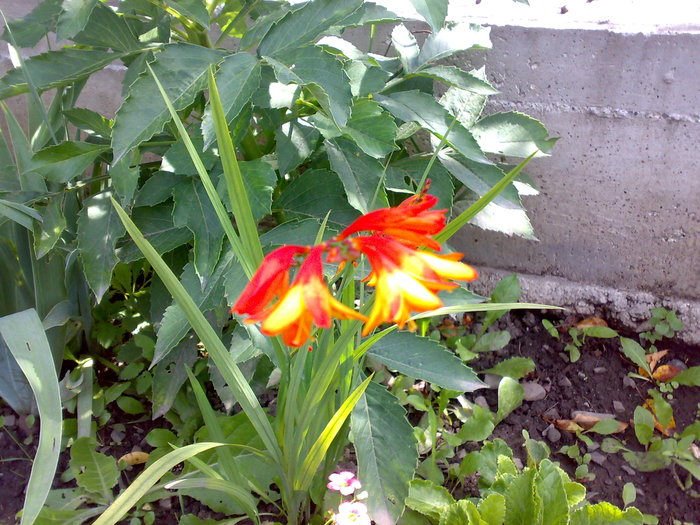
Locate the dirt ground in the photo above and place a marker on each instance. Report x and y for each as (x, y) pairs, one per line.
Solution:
(594, 383)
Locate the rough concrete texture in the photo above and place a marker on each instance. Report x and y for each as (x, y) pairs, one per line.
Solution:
(631, 309)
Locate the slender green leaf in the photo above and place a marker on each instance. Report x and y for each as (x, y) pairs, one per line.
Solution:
(453, 76)
(386, 452)
(24, 336)
(89, 121)
(426, 359)
(147, 479)
(19, 213)
(231, 490)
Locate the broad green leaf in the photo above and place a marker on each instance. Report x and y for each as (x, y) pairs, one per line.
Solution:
(303, 232)
(492, 341)
(106, 29)
(177, 159)
(156, 224)
(600, 331)
(370, 13)
(514, 367)
(99, 228)
(259, 180)
(406, 47)
(304, 25)
(605, 513)
(662, 408)
(89, 121)
(65, 161)
(237, 78)
(312, 194)
(26, 340)
(359, 173)
(313, 67)
(428, 498)
(510, 397)
(230, 491)
(689, 377)
(405, 174)
(27, 31)
(414, 106)
(506, 291)
(643, 425)
(194, 211)
(478, 427)
(74, 17)
(523, 504)
(206, 295)
(94, 472)
(9, 177)
(55, 69)
(371, 128)
(365, 80)
(191, 9)
(296, 141)
(550, 489)
(171, 373)
(434, 12)
(157, 189)
(147, 479)
(629, 494)
(453, 76)
(649, 461)
(130, 405)
(182, 70)
(513, 134)
(19, 213)
(125, 179)
(47, 233)
(635, 353)
(508, 220)
(23, 153)
(386, 452)
(425, 359)
(452, 39)
(493, 509)
(467, 106)
(14, 387)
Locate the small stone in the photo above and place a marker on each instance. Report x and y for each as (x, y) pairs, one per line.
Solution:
(628, 382)
(587, 414)
(599, 370)
(552, 413)
(581, 375)
(492, 380)
(518, 463)
(553, 435)
(529, 319)
(629, 470)
(9, 420)
(593, 446)
(564, 382)
(533, 391)
(165, 504)
(618, 407)
(678, 364)
(598, 458)
(481, 401)
(117, 435)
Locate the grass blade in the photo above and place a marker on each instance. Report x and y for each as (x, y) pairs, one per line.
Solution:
(236, 493)
(24, 335)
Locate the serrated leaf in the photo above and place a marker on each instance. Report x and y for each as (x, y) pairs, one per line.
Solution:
(365, 80)
(237, 78)
(99, 228)
(522, 502)
(493, 509)
(303, 25)
(27, 31)
(414, 106)
(453, 76)
(54, 69)
(47, 233)
(170, 374)
(106, 29)
(157, 189)
(513, 134)
(182, 70)
(194, 211)
(19, 213)
(359, 173)
(259, 180)
(434, 12)
(93, 471)
(425, 359)
(550, 489)
(125, 178)
(371, 128)
(65, 161)
(89, 121)
(312, 194)
(192, 9)
(296, 141)
(74, 17)
(463, 511)
(450, 40)
(303, 232)
(156, 224)
(428, 498)
(405, 174)
(605, 513)
(386, 452)
(312, 66)
(465, 105)
(406, 47)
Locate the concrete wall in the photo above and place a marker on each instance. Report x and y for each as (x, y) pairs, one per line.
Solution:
(619, 211)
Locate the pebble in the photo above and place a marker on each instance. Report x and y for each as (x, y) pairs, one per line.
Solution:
(678, 364)
(533, 391)
(585, 413)
(628, 382)
(553, 435)
(552, 413)
(9, 420)
(481, 401)
(629, 470)
(598, 458)
(599, 370)
(518, 463)
(165, 504)
(618, 407)
(565, 382)
(492, 380)
(593, 446)
(118, 435)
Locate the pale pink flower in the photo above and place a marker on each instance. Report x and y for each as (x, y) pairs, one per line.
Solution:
(352, 513)
(344, 482)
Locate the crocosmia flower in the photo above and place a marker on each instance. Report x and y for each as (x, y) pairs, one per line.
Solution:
(307, 301)
(344, 482)
(412, 222)
(352, 513)
(270, 281)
